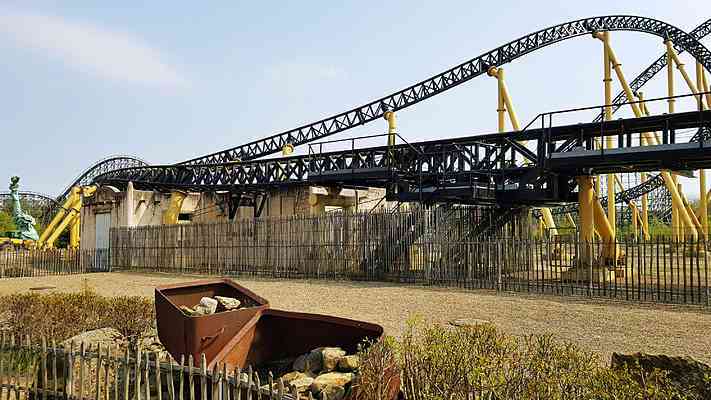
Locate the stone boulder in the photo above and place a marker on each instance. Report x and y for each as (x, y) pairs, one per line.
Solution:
(686, 374)
(331, 379)
(332, 392)
(228, 303)
(330, 357)
(349, 363)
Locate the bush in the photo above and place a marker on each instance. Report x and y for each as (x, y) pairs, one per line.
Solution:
(482, 363)
(62, 315)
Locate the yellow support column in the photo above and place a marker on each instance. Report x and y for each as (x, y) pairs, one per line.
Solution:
(652, 139)
(645, 211)
(74, 194)
(75, 233)
(505, 105)
(586, 198)
(670, 93)
(607, 79)
(392, 127)
(703, 204)
(170, 215)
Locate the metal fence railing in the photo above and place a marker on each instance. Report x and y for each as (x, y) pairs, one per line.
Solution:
(420, 248)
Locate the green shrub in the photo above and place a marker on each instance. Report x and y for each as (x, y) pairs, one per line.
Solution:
(62, 315)
(482, 363)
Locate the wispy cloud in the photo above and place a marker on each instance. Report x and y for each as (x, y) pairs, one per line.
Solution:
(91, 49)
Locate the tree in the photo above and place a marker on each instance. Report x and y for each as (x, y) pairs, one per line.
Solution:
(6, 223)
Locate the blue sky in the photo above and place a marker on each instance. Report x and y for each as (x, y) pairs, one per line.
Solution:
(168, 81)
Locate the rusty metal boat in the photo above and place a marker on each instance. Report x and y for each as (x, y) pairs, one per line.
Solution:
(194, 335)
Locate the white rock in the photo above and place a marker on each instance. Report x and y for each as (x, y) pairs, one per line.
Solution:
(229, 303)
(330, 357)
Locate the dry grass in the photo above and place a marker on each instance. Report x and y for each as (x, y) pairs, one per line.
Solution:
(595, 326)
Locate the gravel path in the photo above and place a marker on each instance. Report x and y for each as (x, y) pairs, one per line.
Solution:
(599, 327)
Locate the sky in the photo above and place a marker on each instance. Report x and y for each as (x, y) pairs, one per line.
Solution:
(169, 81)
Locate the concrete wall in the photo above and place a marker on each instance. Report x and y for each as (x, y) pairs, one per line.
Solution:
(140, 208)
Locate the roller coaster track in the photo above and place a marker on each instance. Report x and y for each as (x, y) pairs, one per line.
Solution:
(456, 76)
(48, 204)
(43, 205)
(102, 166)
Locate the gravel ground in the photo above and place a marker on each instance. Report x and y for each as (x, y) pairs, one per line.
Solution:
(600, 327)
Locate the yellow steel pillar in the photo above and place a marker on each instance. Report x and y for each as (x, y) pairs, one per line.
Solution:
(392, 127)
(645, 211)
(75, 233)
(652, 139)
(505, 105)
(170, 215)
(607, 80)
(586, 198)
(670, 93)
(703, 204)
(73, 195)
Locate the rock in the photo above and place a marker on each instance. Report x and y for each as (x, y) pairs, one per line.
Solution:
(468, 322)
(331, 379)
(330, 357)
(228, 303)
(293, 375)
(103, 336)
(686, 374)
(207, 306)
(349, 363)
(301, 384)
(310, 362)
(332, 392)
(187, 310)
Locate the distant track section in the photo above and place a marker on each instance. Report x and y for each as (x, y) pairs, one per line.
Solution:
(102, 166)
(455, 76)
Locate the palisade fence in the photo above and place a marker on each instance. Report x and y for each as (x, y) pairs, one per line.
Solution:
(38, 370)
(440, 246)
(20, 262)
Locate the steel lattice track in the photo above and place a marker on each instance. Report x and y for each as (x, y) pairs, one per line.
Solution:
(215, 176)
(49, 204)
(455, 76)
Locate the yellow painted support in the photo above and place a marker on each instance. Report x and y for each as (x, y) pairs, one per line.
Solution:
(645, 211)
(607, 80)
(705, 87)
(73, 196)
(704, 205)
(586, 198)
(652, 139)
(687, 78)
(392, 127)
(170, 215)
(71, 217)
(570, 220)
(505, 105)
(75, 233)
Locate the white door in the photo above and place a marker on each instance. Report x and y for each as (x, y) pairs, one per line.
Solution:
(101, 259)
(103, 224)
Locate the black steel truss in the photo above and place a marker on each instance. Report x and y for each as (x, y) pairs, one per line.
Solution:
(469, 161)
(102, 166)
(455, 76)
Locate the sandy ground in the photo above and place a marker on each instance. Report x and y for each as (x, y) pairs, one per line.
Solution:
(600, 327)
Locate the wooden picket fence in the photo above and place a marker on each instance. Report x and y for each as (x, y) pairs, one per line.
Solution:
(44, 370)
(20, 263)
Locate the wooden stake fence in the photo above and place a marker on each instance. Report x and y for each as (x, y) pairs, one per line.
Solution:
(43, 370)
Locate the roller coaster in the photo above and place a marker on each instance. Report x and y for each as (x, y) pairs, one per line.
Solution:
(44, 206)
(538, 165)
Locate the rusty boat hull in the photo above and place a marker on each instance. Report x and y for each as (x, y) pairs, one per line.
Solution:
(184, 335)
